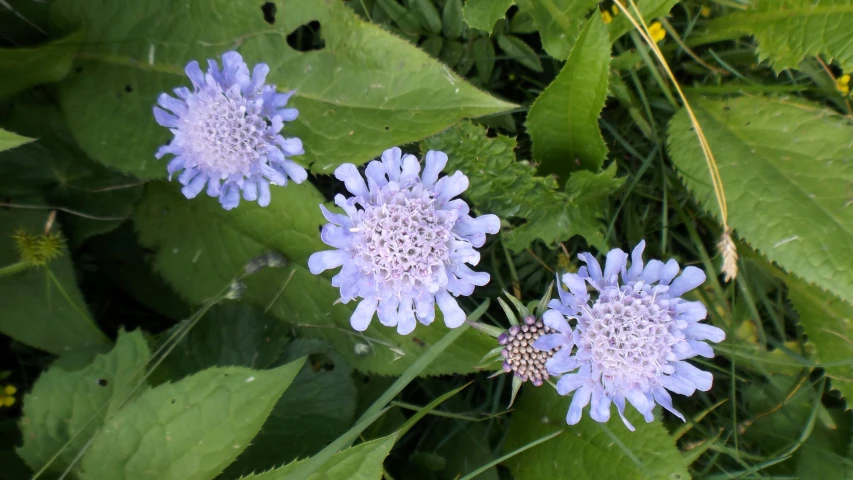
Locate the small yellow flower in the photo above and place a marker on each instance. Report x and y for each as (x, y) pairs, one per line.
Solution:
(843, 84)
(7, 396)
(606, 17)
(657, 32)
(705, 11)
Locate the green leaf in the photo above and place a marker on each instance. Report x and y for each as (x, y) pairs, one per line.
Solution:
(484, 58)
(355, 96)
(427, 14)
(42, 307)
(361, 462)
(201, 248)
(588, 450)
(788, 161)
(191, 429)
(9, 140)
(68, 406)
(483, 14)
(559, 22)
(452, 18)
(98, 198)
(516, 49)
(507, 188)
(828, 322)
(316, 410)
(789, 30)
(563, 121)
(22, 68)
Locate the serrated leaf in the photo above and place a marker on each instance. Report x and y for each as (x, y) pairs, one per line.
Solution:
(483, 14)
(560, 21)
(191, 429)
(42, 307)
(365, 91)
(318, 408)
(786, 169)
(361, 462)
(9, 140)
(563, 121)
(516, 49)
(503, 186)
(100, 198)
(68, 406)
(201, 248)
(587, 450)
(24, 67)
(828, 322)
(789, 30)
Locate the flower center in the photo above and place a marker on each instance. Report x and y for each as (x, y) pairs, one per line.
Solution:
(223, 134)
(520, 357)
(628, 335)
(403, 240)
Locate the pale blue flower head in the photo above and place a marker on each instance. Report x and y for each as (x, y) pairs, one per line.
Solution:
(403, 242)
(631, 342)
(227, 133)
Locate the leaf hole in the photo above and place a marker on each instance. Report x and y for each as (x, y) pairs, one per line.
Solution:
(269, 10)
(128, 89)
(103, 382)
(320, 361)
(307, 38)
(387, 128)
(173, 401)
(78, 70)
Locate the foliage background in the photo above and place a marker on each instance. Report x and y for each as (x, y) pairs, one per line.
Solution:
(132, 358)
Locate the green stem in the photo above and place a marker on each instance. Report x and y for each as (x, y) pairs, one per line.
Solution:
(14, 268)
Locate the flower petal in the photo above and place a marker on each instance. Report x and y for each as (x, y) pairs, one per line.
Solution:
(551, 341)
(700, 378)
(619, 400)
(592, 267)
(670, 270)
(411, 169)
(321, 261)
(353, 181)
(700, 331)
(363, 314)
(689, 279)
(391, 162)
(453, 314)
(435, 163)
(579, 400)
(556, 320)
(450, 186)
(165, 118)
(614, 265)
(562, 362)
(663, 399)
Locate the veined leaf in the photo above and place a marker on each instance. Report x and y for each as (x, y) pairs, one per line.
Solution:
(563, 121)
(68, 406)
(509, 188)
(22, 68)
(42, 307)
(588, 450)
(789, 30)
(191, 429)
(365, 91)
(786, 169)
(201, 248)
(483, 14)
(10, 140)
(361, 462)
(828, 321)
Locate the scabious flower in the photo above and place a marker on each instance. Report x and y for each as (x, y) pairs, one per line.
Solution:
(631, 341)
(520, 357)
(227, 133)
(403, 242)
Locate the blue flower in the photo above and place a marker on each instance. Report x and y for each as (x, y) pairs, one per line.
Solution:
(403, 242)
(631, 342)
(226, 133)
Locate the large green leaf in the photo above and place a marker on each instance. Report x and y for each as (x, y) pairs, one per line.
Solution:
(201, 248)
(483, 14)
(41, 306)
(365, 91)
(508, 188)
(361, 462)
(191, 429)
(789, 30)
(828, 321)
(68, 406)
(315, 411)
(563, 121)
(21, 68)
(9, 140)
(786, 170)
(588, 450)
(95, 199)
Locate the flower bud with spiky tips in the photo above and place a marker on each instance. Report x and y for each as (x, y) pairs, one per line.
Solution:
(520, 357)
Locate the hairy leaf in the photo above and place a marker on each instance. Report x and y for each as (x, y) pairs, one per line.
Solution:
(363, 92)
(563, 121)
(789, 30)
(201, 248)
(41, 307)
(588, 450)
(24, 67)
(786, 171)
(361, 462)
(191, 429)
(68, 406)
